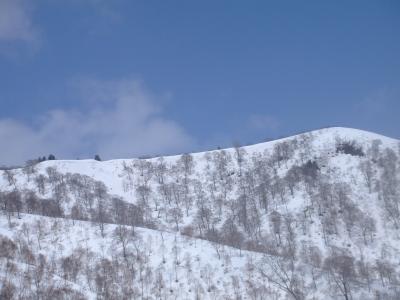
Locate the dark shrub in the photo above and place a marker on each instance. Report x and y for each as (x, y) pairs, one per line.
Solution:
(349, 147)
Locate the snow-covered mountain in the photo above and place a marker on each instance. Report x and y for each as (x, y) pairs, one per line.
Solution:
(312, 216)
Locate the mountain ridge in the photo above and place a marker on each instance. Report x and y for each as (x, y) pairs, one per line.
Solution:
(334, 129)
(329, 130)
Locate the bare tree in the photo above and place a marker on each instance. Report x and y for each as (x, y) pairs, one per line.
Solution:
(32, 202)
(40, 230)
(176, 216)
(385, 271)
(240, 156)
(276, 221)
(71, 265)
(186, 166)
(282, 273)
(283, 151)
(29, 169)
(365, 271)
(12, 203)
(9, 176)
(368, 228)
(367, 171)
(101, 215)
(8, 290)
(311, 255)
(123, 235)
(100, 192)
(341, 270)
(231, 235)
(40, 181)
(292, 178)
(389, 186)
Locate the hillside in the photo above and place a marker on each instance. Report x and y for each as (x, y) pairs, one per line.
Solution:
(312, 216)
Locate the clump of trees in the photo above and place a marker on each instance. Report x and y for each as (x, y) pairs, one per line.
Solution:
(349, 147)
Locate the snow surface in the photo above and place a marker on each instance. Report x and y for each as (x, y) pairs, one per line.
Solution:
(204, 254)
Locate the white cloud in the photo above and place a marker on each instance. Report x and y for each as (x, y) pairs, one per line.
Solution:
(377, 112)
(264, 122)
(123, 120)
(375, 104)
(16, 22)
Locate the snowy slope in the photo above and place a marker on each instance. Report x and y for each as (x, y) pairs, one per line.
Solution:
(188, 266)
(297, 206)
(111, 171)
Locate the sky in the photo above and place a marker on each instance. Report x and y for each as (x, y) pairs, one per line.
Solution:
(128, 78)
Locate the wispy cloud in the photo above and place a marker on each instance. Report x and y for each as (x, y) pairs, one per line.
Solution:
(122, 119)
(16, 25)
(375, 104)
(264, 122)
(378, 111)
(100, 16)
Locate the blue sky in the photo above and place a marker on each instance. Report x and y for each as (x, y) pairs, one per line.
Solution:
(126, 78)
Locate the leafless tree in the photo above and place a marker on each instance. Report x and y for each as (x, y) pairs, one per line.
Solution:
(276, 221)
(39, 228)
(71, 265)
(292, 178)
(124, 235)
(389, 190)
(101, 216)
(311, 255)
(12, 203)
(204, 218)
(240, 157)
(8, 290)
(32, 202)
(386, 271)
(341, 271)
(367, 171)
(29, 169)
(368, 228)
(176, 216)
(128, 172)
(262, 173)
(146, 171)
(365, 271)
(283, 151)
(9, 176)
(282, 273)
(374, 151)
(40, 181)
(231, 235)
